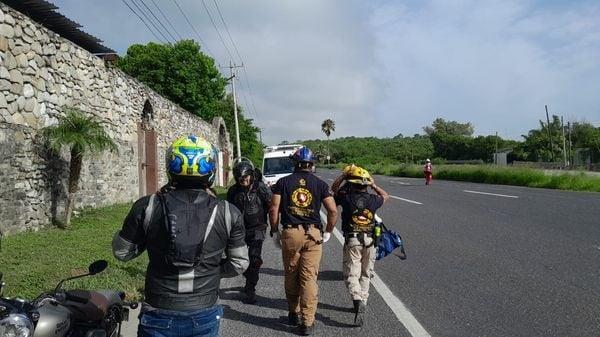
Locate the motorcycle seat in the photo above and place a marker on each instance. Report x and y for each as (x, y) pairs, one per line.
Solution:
(88, 305)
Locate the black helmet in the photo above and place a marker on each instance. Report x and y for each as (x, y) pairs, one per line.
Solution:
(242, 169)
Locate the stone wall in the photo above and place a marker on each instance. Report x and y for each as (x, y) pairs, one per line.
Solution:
(41, 74)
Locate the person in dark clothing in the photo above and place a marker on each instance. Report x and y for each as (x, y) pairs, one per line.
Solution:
(253, 198)
(186, 231)
(299, 197)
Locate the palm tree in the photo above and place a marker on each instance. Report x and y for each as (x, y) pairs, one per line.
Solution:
(327, 127)
(81, 134)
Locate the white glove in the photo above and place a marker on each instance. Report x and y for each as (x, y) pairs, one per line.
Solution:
(277, 239)
(326, 236)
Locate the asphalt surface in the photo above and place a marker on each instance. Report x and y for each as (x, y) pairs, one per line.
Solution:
(516, 262)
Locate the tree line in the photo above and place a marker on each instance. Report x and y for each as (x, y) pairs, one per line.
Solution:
(454, 141)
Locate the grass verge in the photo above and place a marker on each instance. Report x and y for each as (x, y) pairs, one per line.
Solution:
(488, 174)
(34, 262)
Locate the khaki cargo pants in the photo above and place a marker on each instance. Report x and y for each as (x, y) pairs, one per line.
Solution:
(358, 264)
(301, 258)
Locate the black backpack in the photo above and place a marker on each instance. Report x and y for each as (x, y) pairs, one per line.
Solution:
(187, 224)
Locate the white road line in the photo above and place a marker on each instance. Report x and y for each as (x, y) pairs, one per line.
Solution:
(494, 194)
(398, 308)
(407, 200)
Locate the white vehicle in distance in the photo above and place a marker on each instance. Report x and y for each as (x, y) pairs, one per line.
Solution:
(277, 163)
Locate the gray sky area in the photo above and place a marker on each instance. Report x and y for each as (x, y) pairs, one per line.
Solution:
(380, 68)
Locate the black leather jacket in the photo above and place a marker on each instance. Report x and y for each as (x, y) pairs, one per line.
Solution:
(174, 288)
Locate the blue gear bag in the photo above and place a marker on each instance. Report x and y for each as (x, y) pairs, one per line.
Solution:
(387, 242)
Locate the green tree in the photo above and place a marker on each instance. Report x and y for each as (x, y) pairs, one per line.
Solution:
(327, 127)
(188, 77)
(81, 134)
(440, 125)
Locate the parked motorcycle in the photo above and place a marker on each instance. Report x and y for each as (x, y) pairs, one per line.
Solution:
(66, 313)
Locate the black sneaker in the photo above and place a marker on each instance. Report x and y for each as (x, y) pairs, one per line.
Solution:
(307, 330)
(293, 319)
(359, 309)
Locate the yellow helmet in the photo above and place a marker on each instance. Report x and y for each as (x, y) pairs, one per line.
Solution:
(358, 175)
(192, 157)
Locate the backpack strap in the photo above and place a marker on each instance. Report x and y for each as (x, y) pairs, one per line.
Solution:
(227, 218)
(211, 222)
(148, 212)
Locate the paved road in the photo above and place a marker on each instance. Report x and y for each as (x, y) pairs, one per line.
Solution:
(483, 260)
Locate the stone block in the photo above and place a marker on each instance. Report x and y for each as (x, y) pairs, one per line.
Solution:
(30, 104)
(1, 16)
(39, 84)
(28, 90)
(7, 31)
(21, 102)
(4, 85)
(16, 88)
(9, 19)
(3, 43)
(10, 62)
(18, 119)
(49, 49)
(18, 31)
(4, 73)
(3, 102)
(28, 31)
(15, 76)
(27, 39)
(37, 47)
(22, 60)
(64, 46)
(30, 120)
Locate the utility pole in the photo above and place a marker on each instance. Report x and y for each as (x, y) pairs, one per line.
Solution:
(549, 135)
(260, 135)
(235, 113)
(562, 126)
(496, 152)
(570, 145)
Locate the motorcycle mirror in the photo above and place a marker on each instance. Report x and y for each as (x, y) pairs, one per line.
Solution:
(97, 267)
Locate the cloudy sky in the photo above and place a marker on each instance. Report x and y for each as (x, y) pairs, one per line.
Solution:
(380, 68)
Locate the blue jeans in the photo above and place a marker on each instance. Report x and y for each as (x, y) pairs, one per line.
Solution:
(168, 323)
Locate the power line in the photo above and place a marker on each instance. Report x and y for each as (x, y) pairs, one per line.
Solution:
(149, 20)
(144, 22)
(158, 20)
(246, 77)
(194, 29)
(227, 30)
(217, 30)
(167, 19)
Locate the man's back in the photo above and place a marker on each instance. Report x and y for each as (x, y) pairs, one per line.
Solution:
(301, 197)
(170, 282)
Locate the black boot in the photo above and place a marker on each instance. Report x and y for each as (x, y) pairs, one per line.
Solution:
(307, 330)
(359, 309)
(293, 319)
(250, 297)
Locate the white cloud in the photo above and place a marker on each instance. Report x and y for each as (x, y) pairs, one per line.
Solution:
(385, 67)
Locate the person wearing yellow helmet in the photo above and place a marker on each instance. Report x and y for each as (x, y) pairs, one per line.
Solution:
(185, 230)
(358, 223)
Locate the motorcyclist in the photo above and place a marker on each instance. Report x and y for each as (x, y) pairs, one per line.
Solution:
(185, 230)
(358, 221)
(299, 197)
(253, 198)
(428, 172)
